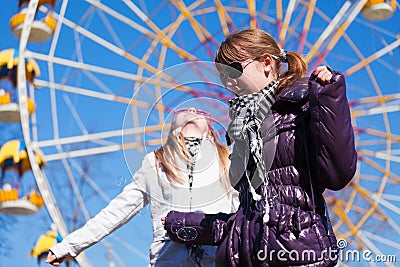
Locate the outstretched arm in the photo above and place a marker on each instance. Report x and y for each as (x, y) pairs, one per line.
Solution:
(118, 212)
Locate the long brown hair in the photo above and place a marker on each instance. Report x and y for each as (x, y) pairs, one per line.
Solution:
(253, 43)
(175, 148)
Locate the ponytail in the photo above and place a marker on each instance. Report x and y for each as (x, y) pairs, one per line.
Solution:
(297, 69)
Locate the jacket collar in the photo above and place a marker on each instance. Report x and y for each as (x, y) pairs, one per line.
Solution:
(296, 93)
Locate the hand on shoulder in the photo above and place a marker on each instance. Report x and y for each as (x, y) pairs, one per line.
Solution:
(323, 75)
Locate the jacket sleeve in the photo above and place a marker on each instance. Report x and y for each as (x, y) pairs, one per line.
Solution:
(333, 155)
(118, 212)
(210, 228)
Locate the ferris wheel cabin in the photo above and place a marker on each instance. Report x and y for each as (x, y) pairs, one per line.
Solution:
(14, 157)
(12, 205)
(42, 27)
(9, 107)
(378, 9)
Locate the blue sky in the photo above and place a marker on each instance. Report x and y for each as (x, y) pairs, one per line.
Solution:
(110, 172)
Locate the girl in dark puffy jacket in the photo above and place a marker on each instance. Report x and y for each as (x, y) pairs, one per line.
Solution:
(292, 139)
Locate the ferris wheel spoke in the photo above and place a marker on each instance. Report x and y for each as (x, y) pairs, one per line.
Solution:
(380, 155)
(348, 12)
(379, 109)
(279, 15)
(75, 114)
(111, 30)
(306, 25)
(84, 66)
(201, 33)
(130, 247)
(89, 93)
(386, 203)
(82, 152)
(372, 201)
(360, 210)
(57, 31)
(158, 93)
(121, 18)
(367, 67)
(381, 240)
(161, 35)
(328, 31)
(341, 29)
(286, 22)
(97, 136)
(391, 197)
(111, 72)
(104, 43)
(367, 143)
(393, 224)
(115, 255)
(381, 215)
(378, 213)
(381, 169)
(352, 229)
(366, 103)
(370, 245)
(155, 36)
(395, 138)
(224, 18)
(112, 97)
(375, 178)
(90, 181)
(373, 57)
(101, 150)
(251, 5)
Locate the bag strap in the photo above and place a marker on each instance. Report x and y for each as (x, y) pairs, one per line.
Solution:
(308, 167)
(310, 181)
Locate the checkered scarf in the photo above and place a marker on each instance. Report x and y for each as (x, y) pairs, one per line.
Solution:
(247, 112)
(193, 144)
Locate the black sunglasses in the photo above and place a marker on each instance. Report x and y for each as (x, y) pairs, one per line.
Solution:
(234, 70)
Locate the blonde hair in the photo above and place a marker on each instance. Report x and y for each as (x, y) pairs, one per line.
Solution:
(253, 43)
(175, 148)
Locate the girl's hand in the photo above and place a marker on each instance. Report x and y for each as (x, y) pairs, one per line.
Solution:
(323, 74)
(163, 223)
(52, 260)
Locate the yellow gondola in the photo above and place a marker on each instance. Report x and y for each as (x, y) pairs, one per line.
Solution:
(12, 205)
(44, 243)
(13, 154)
(42, 29)
(378, 9)
(9, 65)
(9, 109)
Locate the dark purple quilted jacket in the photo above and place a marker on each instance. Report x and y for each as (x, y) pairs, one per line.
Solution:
(313, 128)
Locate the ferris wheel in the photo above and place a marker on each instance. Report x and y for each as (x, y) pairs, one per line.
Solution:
(112, 71)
